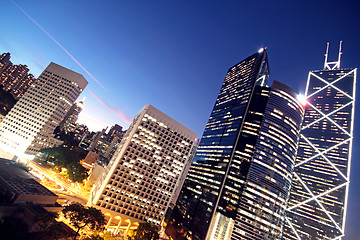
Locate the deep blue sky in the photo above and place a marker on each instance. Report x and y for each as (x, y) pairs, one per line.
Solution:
(175, 54)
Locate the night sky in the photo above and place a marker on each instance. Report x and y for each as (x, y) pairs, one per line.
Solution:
(175, 54)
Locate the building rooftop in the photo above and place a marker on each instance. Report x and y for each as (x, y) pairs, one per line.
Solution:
(15, 178)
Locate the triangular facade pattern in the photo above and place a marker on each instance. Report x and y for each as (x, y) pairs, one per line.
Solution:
(318, 199)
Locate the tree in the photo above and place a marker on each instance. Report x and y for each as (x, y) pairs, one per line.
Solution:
(76, 172)
(146, 231)
(69, 158)
(7, 101)
(46, 221)
(81, 217)
(92, 237)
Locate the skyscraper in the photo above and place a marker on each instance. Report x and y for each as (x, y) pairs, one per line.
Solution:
(26, 128)
(114, 131)
(137, 184)
(71, 116)
(15, 79)
(4, 61)
(239, 183)
(318, 201)
(21, 87)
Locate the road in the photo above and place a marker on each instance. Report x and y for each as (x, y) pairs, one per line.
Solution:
(66, 188)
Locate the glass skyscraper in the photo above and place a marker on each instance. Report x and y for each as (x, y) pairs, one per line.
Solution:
(238, 185)
(318, 200)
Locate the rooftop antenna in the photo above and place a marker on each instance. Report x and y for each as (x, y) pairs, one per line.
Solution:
(332, 65)
(326, 55)
(340, 53)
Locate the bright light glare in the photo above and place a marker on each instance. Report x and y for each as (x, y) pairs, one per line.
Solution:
(302, 99)
(261, 50)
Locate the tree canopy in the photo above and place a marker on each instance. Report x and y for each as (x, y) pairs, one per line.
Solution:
(81, 217)
(69, 158)
(146, 231)
(7, 101)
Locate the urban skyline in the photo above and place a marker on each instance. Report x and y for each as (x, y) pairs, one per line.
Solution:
(186, 75)
(309, 53)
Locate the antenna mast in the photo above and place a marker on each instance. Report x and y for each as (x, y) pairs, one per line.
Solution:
(332, 65)
(326, 55)
(340, 53)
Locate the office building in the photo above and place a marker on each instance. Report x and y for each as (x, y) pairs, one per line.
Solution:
(101, 146)
(238, 185)
(4, 61)
(19, 89)
(97, 160)
(114, 131)
(71, 116)
(27, 127)
(15, 79)
(79, 131)
(137, 184)
(318, 200)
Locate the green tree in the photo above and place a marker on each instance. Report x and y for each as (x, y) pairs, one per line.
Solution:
(69, 158)
(76, 172)
(92, 237)
(81, 217)
(7, 101)
(146, 231)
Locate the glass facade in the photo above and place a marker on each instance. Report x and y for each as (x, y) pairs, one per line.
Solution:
(245, 158)
(205, 177)
(259, 179)
(318, 199)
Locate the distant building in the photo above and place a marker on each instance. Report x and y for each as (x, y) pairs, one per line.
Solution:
(87, 139)
(105, 149)
(115, 130)
(26, 128)
(319, 193)
(137, 185)
(4, 61)
(19, 89)
(14, 78)
(113, 145)
(96, 143)
(102, 143)
(71, 116)
(79, 130)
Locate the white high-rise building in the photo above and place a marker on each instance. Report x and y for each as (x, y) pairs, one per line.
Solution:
(138, 183)
(320, 184)
(27, 128)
